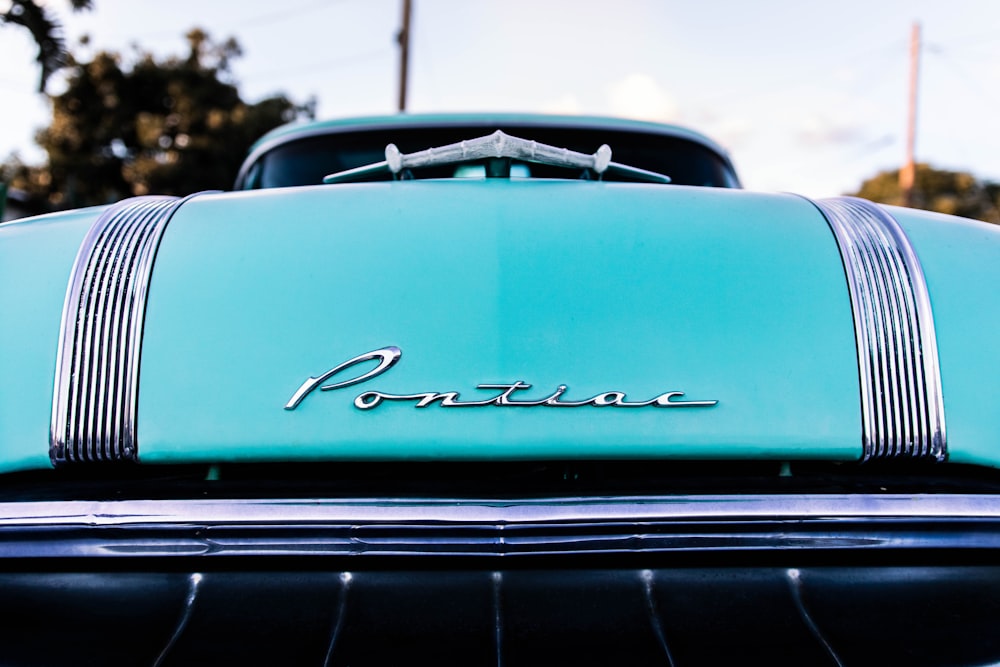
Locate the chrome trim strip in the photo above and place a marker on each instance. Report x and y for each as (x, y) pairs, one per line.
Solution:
(510, 529)
(357, 511)
(901, 400)
(97, 368)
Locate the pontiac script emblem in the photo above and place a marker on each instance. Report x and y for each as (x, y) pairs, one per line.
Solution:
(387, 357)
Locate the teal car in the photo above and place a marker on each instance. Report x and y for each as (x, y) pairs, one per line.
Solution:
(498, 389)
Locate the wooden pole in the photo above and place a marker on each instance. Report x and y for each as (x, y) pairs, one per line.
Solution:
(404, 53)
(908, 174)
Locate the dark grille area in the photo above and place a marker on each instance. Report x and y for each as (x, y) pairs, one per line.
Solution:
(725, 615)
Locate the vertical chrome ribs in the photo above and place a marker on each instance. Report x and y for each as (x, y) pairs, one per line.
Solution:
(901, 404)
(95, 398)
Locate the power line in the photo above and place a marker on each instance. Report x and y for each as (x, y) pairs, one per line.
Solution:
(807, 75)
(976, 37)
(286, 14)
(969, 80)
(337, 63)
(269, 18)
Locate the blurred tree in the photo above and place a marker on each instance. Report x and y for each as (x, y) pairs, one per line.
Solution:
(45, 30)
(952, 192)
(172, 126)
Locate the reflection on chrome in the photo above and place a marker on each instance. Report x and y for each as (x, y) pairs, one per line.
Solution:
(385, 527)
(901, 396)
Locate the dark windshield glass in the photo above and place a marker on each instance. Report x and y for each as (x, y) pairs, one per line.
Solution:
(306, 161)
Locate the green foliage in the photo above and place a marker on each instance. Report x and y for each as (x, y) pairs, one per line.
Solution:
(172, 126)
(45, 30)
(952, 192)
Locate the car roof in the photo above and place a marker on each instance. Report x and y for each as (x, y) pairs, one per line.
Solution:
(299, 130)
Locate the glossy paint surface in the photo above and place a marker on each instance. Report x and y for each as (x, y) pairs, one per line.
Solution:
(36, 257)
(723, 295)
(961, 262)
(726, 296)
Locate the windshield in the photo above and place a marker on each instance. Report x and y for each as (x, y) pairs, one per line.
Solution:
(306, 161)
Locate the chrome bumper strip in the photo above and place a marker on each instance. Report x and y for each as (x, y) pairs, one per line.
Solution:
(287, 512)
(901, 403)
(491, 528)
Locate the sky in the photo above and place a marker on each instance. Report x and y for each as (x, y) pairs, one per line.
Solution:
(807, 97)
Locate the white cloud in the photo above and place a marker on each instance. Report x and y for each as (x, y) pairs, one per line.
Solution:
(565, 104)
(845, 74)
(733, 132)
(819, 130)
(640, 96)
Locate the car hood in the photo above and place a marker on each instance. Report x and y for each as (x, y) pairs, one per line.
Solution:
(472, 320)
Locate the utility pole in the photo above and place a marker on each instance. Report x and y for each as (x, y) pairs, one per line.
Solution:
(908, 174)
(404, 53)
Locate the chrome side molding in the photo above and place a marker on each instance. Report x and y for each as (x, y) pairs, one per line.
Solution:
(97, 368)
(902, 409)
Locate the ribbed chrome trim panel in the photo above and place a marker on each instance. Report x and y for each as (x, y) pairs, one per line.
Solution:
(901, 403)
(97, 370)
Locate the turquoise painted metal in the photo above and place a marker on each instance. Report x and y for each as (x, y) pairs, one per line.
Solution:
(961, 261)
(722, 295)
(36, 256)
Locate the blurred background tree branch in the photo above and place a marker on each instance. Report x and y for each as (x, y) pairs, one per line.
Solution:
(138, 124)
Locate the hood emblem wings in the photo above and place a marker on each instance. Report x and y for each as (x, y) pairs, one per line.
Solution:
(387, 357)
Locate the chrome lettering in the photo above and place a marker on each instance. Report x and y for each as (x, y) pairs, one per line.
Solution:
(387, 357)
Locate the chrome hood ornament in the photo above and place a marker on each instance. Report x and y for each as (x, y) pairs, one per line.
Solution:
(501, 147)
(387, 357)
